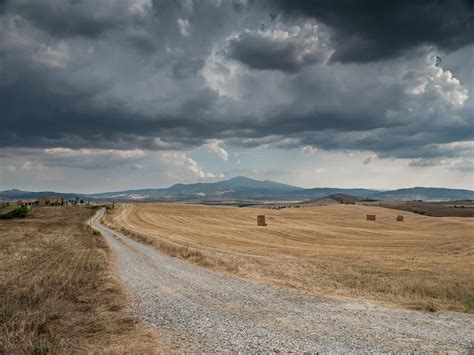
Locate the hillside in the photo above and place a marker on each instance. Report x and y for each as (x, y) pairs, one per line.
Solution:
(245, 190)
(334, 199)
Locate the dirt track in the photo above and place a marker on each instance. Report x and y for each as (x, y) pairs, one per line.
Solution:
(197, 309)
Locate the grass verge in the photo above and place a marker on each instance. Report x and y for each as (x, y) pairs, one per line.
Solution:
(183, 252)
(58, 289)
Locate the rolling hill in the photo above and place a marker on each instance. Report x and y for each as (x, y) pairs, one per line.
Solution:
(245, 190)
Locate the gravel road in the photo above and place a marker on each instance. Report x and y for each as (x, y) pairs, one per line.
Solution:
(196, 309)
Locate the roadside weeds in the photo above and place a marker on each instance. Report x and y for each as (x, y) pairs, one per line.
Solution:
(58, 289)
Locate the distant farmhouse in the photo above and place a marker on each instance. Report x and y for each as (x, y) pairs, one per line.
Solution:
(51, 200)
(27, 203)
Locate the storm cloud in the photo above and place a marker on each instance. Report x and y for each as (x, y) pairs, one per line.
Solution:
(286, 50)
(140, 75)
(371, 30)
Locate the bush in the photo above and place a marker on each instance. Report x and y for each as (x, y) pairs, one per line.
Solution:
(19, 212)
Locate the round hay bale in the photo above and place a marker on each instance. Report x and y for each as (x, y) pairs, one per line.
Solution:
(261, 220)
(399, 218)
(371, 217)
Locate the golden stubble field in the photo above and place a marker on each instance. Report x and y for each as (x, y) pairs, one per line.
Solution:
(423, 263)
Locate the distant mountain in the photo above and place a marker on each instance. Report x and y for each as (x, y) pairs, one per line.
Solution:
(239, 183)
(238, 187)
(245, 190)
(245, 182)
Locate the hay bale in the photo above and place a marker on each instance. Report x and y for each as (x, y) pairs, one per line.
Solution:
(399, 218)
(261, 220)
(371, 217)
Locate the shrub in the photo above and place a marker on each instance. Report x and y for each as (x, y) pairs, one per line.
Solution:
(19, 212)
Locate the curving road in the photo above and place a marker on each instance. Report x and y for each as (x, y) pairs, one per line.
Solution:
(196, 309)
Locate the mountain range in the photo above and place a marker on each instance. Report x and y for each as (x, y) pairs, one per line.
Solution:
(245, 190)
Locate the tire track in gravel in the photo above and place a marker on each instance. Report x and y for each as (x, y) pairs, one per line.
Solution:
(200, 310)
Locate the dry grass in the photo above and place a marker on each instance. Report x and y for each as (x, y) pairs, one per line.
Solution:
(176, 250)
(58, 289)
(422, 263)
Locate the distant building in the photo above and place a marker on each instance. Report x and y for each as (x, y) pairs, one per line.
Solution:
(51, 200)
(27, 202)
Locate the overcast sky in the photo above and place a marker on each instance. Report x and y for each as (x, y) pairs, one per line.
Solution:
(120, 94)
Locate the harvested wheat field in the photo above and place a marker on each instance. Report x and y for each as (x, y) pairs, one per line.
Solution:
(423, 262)
(58, 289)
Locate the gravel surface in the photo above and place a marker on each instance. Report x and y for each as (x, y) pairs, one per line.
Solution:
(201, 310)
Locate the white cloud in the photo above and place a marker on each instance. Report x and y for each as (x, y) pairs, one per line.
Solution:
(431, 79)
(27, 165)
(138, 166)
(139, 7)
(221, 74)
(214, 146)
(160, 144)
(309, 150)
(183, 27)
(33, 166)
(461, 164)
(453, 148)
(181, 159)
(54, 56)
(111, 153)
(90, 158)
(285, 48)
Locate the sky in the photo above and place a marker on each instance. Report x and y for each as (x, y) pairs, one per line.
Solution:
(119, 94)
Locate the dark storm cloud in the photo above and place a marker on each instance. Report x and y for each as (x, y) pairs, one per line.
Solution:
(63, 122)
(124, 75)
(259, 53)
(370, 30)
(67, 18)
(418, 140)
(277, 50)
(407, 142)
